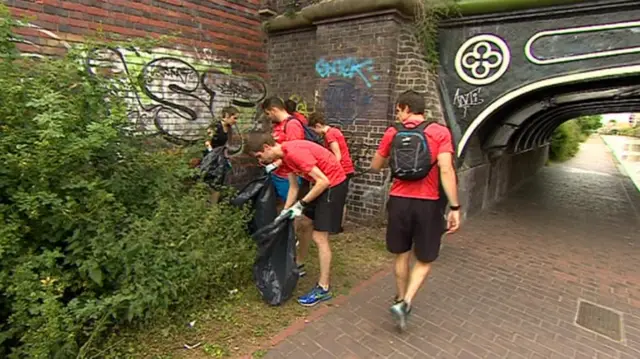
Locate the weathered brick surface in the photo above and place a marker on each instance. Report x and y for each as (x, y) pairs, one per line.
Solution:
(291, 65)
(353, 70)
(347, 69)
(508, 285)
(230, 28)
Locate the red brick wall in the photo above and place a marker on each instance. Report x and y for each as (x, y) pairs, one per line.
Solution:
(231, 30)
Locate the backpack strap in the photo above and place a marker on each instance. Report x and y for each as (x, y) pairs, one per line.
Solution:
(289, 119)
(422, 126)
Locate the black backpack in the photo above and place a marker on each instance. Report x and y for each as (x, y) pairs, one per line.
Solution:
(309, 135)
(410, 158)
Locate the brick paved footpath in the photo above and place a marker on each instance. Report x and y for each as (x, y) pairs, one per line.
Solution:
(507, 286)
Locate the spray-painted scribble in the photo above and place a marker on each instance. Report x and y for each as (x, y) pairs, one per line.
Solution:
(301, 104)
(348, 67)
(179, 98)
(343, 102)
(467, 100)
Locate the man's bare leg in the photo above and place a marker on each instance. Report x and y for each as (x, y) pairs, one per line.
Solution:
(402, 274)
(419, 274)
(304, 229)
(321, 240)
(321, 292)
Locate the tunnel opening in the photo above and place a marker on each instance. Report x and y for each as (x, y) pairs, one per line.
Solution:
(528, 122)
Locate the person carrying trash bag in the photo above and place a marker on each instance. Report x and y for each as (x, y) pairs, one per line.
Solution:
(322, 205)
(215, 162)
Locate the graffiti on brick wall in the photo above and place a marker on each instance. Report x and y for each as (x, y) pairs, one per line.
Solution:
(343, 101)
(178, 97)
(170, 92)
(348, 67)
(301, 104)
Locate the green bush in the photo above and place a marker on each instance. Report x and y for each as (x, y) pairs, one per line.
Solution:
(565, 141)
(631, 131)
(589, 124)
(96, 230)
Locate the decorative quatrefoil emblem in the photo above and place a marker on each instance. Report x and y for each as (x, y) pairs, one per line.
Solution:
(482, 59)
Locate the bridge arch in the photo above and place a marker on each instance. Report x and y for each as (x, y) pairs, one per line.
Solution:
(538, 131)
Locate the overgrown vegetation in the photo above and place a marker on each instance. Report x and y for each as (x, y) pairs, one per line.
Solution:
(427, 19)
(630, 131)
(566, 139)
(97, 231)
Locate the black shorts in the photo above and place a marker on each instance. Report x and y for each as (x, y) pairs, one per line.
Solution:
(326, 210)
(417, 223)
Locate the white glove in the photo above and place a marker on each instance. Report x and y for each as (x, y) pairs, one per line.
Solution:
(270, 167)
(291, 212)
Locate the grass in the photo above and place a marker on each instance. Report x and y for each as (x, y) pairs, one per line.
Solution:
(243, 324)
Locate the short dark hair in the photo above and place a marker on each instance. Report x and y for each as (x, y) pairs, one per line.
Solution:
(229, 111)
(272, 102)
(290, 106)
(413, 100)
(255, 141)
(317, 118)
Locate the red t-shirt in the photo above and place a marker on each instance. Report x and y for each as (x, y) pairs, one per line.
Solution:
(334, 135)
(439, 141)
(294, 131)
(301, 117)
(300, 156)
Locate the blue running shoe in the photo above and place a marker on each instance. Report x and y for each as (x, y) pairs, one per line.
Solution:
(315, 296)
(400, 312)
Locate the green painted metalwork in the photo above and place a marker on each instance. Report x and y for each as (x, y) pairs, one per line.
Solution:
(478, 7)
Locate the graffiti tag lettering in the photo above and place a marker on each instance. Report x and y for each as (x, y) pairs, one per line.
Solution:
(349, 67)
(301, 104)
(467, 100)
(343, 102)
(179, 99)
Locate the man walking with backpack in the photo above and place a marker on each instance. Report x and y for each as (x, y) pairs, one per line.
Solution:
(420, 155)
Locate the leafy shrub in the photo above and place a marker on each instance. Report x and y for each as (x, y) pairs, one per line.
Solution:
(589, 124)
(96, 230)
(631, 131)
(565, 141)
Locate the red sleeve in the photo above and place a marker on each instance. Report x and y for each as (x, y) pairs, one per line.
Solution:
(302, 159)
(294, 130)
(384, 149)
(331, 136)
(442, 137)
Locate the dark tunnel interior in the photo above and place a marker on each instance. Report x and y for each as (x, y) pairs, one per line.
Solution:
(529, 121)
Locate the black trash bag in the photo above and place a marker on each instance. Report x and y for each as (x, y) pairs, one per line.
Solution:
(275, 270)
(214, 167)
(262, 197)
